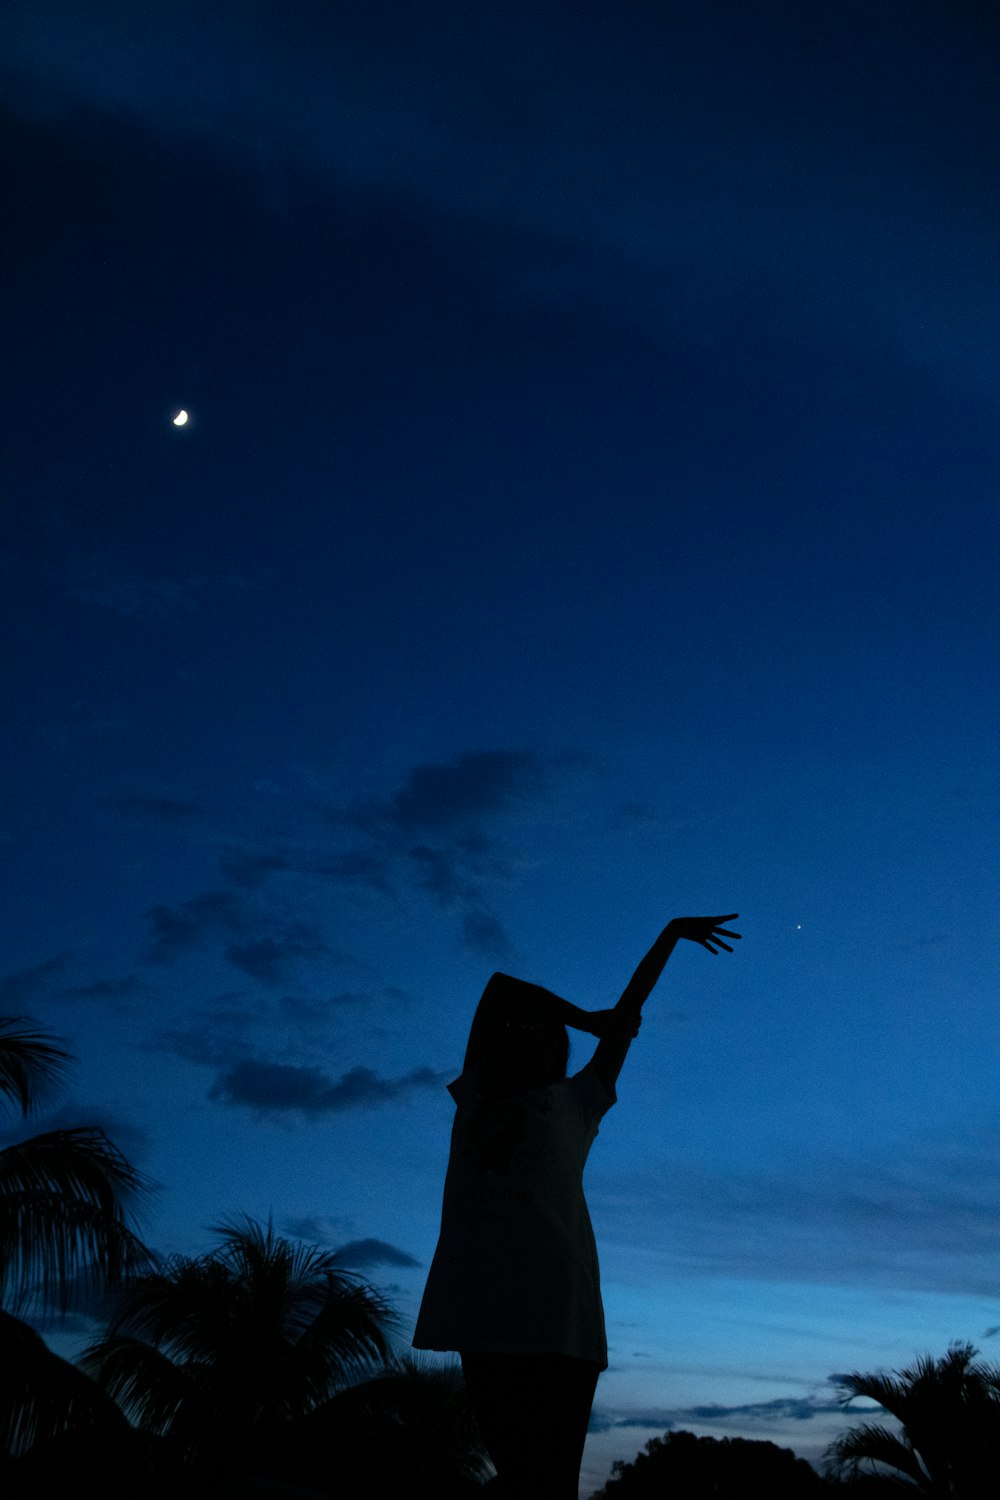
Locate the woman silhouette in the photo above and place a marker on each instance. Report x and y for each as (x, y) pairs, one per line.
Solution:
(514, 1286)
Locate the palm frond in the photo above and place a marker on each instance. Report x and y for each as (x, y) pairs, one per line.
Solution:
(66, 1198)
(31, 1065)
(185, 1309)
(348, 1339)
(413, 1418)
(43, 1397)
(324, 1318)
(886, 1390)
(146, 1384)
(873, 1444)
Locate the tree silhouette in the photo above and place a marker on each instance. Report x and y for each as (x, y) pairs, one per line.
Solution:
(65, 1195)
(223, 1356)
(687, 1467)
(948, 1443)
(373, 1438)
(56, 1426)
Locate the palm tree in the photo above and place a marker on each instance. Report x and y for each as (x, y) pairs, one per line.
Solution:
(43, 1397)
(372, 1438)
(65, 1195)
(224, 1355)
(948, 1412)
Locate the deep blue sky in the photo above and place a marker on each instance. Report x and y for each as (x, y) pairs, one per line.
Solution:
(588, 513)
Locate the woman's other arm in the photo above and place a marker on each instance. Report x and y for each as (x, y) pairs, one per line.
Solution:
(508, 999)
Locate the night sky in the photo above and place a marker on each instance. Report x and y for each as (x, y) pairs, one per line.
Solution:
(588, 513)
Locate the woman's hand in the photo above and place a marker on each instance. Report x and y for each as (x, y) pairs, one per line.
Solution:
(606, 1025)
(708, 931)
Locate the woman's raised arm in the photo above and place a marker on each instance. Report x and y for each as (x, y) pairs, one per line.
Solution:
(617, 1027)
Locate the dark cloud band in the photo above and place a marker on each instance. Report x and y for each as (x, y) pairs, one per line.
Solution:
(282, 1089)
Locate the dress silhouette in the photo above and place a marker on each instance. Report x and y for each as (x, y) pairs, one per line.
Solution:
(514, 1285)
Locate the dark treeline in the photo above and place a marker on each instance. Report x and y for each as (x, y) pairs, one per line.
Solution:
(682, 1465)
(262, 1367)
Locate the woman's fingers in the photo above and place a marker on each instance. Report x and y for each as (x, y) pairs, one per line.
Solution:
(708, 931)
(718, 933)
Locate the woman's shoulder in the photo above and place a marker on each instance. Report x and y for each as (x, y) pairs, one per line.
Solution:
(591, 1092)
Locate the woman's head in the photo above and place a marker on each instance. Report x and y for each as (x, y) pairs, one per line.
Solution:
(527, 1052)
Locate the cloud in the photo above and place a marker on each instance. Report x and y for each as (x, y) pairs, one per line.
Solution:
(249, 868)
(271, 959)
(926, 1222)
(483, 933)
(781, 1409)
(232, 1031)
(576, 202)
(265, 947)
(125, 988)
(604, 1420)
(447, 831)
(457, 796)
(918, 945)
(156, 809)
(178, 929)
(317, 1229)
(279, 1088)
(216, 1039)
(22, 987)
(648, 211)
(438, 831)
(369, 1252)
(439, 874)
(753, 1416)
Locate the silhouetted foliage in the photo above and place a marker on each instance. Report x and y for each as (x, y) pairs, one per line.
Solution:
(261, 1368)
(685, 1467)
(948, 1442)
(56, 1425)
(221, 1357)
(41, 1395)
(65, 1195)
(415, 1419)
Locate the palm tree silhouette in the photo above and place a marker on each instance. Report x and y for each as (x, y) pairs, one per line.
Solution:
(414, 1418)
(948, 1410)
(224, 1356)
(65, 1196)
(51, 1415)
